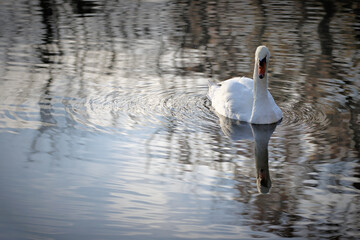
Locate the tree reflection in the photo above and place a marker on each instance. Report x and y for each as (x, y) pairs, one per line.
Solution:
(86, 48)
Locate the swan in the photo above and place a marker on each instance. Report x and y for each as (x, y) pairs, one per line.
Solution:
(247, 99)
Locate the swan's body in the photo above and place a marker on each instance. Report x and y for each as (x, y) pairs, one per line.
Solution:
(247, 99)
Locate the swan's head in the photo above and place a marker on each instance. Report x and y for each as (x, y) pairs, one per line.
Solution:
(262, 57)
(263, 181)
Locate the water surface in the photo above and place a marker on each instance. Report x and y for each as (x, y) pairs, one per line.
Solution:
(106, 131)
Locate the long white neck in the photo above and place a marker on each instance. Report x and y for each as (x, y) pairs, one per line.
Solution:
(260, 94)
(260, 85)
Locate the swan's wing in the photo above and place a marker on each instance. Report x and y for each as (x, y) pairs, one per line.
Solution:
(213, 86)
(229, 86)
(233, 98)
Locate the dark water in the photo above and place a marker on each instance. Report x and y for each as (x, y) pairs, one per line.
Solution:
(106, 131)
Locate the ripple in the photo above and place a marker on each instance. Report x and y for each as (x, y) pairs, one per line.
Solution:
(119, 110)
(15, 117)
(305, 115)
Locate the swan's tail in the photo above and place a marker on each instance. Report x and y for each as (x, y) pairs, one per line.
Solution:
(211, 82)
(212, 87)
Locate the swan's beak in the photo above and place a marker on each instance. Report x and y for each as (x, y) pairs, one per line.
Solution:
(262, 176)
(263, 182)
(262, 68)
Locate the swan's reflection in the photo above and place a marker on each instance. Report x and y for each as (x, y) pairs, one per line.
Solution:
(261, 135)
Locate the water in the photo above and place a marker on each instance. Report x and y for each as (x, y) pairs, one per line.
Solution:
(106, 131)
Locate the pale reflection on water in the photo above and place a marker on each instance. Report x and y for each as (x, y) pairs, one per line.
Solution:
(106, 131)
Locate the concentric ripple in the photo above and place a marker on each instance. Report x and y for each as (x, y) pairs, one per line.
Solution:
(305, 115)
(118, 109)
(123, 109)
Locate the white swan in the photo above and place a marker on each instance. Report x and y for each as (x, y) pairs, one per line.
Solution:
(246, 99)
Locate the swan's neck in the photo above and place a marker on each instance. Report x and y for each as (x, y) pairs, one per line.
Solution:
(262, 134)
(262, 156)
(263, 180)
(260, 85)
(260, 95)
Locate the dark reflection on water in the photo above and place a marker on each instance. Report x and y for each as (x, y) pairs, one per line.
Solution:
(106, 131)
(260, 134)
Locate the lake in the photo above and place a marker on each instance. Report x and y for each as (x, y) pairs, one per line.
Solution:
(106, 131)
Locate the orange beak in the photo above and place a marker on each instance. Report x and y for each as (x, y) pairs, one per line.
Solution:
(262, 68)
